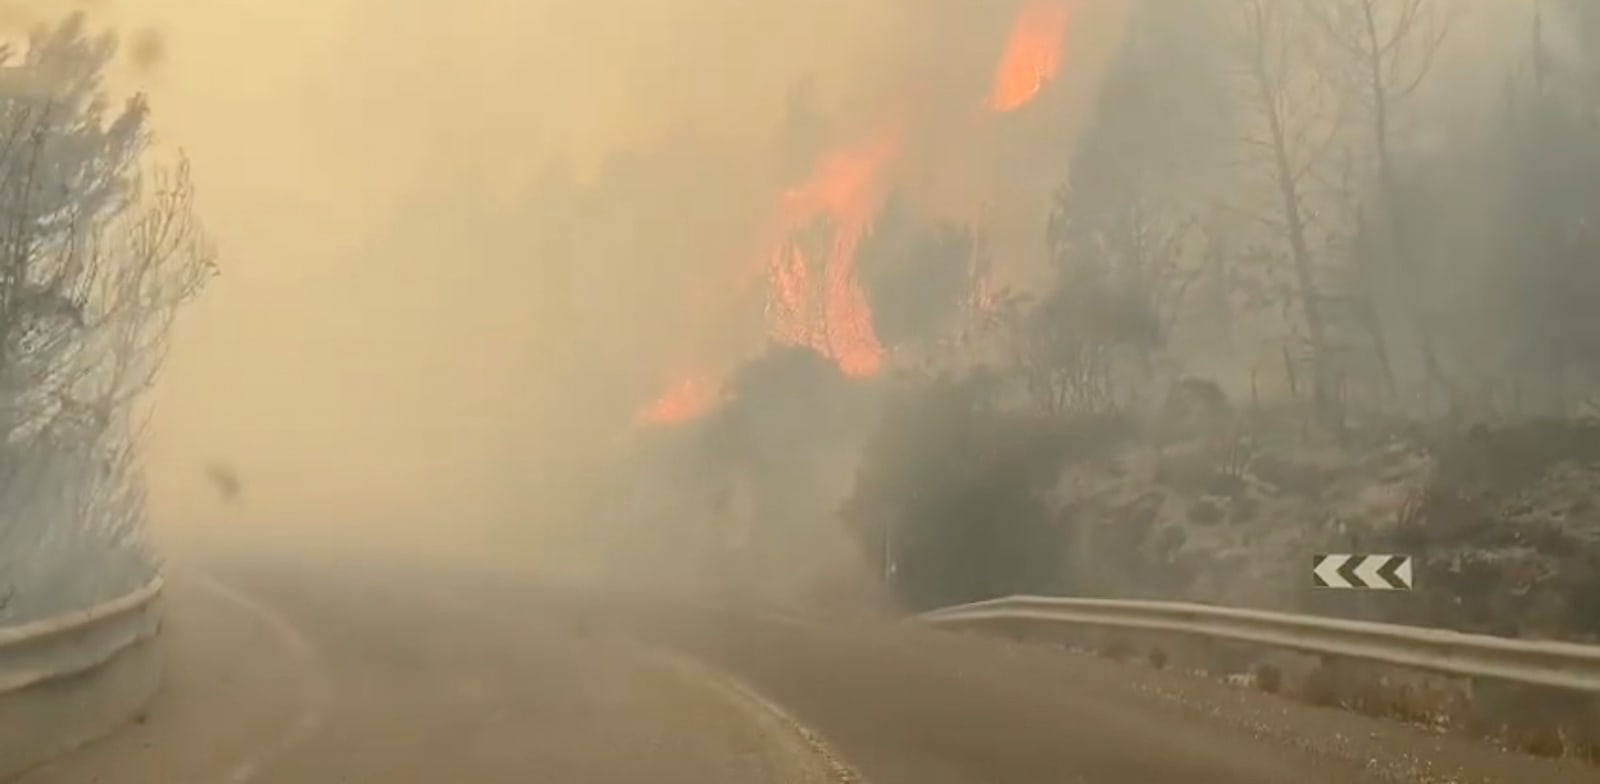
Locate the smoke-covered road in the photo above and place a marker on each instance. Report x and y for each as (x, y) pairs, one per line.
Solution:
(315, 672)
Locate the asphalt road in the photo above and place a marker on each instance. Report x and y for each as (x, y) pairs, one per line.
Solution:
(321, 672)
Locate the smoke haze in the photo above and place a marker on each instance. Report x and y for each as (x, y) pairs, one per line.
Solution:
(377, 351)
(393, 345)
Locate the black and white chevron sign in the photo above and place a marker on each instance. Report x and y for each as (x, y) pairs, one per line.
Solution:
(1376, 572)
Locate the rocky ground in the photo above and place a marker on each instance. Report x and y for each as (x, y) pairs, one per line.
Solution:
(1503, 522)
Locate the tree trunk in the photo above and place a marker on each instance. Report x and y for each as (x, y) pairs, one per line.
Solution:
(1299, 249)
(1394, 223)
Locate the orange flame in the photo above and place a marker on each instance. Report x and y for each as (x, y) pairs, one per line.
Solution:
(1032, 54)
(830, 315)
(813, 296)
(682, 402)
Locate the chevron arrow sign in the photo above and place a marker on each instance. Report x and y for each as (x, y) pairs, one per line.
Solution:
(1375, 572)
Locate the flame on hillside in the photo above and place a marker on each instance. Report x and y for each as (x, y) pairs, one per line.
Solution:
(814, 297)
(691, 397)
(1032, 54)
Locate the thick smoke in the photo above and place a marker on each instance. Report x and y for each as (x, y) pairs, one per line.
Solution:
(469, 245)
(396, 342)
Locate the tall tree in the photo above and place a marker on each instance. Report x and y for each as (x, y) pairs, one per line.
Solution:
(1383, 51)
(918, 275)
(97, 254)
(1290, 102)
(1135, 191)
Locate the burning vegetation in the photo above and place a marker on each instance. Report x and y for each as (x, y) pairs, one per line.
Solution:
(1264, 319)
(1032, 55)
(814, 291)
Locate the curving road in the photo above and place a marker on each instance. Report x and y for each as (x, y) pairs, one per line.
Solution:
(298, 671)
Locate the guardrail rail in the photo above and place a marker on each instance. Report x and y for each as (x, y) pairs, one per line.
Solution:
(67, 679)
(1561, 665)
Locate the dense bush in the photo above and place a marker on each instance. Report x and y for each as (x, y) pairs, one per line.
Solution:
(97, 253)
(953, 495)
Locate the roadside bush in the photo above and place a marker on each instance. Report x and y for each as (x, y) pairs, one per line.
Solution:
(953, 495)
(98, 251)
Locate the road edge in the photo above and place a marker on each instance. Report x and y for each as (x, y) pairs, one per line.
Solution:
(56, 716)
(763, 712)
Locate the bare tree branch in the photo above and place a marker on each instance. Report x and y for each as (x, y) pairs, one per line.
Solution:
(1386, 49)
(97, 254)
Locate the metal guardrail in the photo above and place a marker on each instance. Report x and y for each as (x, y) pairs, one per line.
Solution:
(67, 680)
(75, 642)
(1553, 664)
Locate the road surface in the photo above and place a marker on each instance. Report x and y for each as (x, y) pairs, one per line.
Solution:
(295, 671)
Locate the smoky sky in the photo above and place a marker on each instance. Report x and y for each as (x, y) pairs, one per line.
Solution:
(371, 355)
(374, 354)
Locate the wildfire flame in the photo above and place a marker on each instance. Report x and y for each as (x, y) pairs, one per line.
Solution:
(841, 196)
(1032, 54)
(814, 298)
(683, 401)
